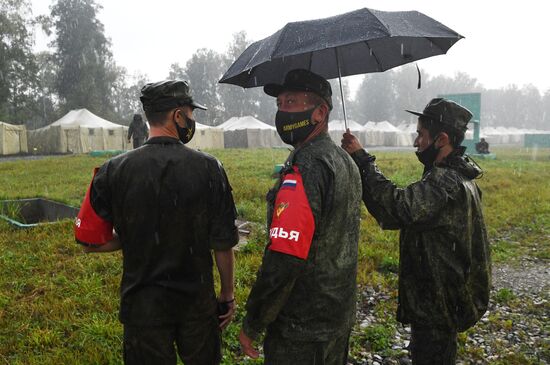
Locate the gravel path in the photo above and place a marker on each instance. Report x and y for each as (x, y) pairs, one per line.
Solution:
(515, 330)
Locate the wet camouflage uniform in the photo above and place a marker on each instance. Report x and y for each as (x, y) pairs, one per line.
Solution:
(444, 271)
(138, 131)
(168, 220)
(308, 306)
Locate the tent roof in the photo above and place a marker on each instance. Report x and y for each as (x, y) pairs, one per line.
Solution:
(83, 118)
(386, 126)
(12, 126)
(370, 125)
(203, 126)
(247, 122)
(409, 127)
(338, 125)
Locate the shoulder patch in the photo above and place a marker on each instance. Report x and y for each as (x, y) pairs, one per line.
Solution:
(292, 225)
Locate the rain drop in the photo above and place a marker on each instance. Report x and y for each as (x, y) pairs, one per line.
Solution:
(157, 241)
(191, 250)
(402, 49)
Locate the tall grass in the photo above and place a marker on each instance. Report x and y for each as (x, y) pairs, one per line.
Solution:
(59, 306)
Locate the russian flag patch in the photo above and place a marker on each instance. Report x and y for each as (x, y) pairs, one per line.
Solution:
(289, 184)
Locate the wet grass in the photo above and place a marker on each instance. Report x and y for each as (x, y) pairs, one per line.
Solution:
(59, 306)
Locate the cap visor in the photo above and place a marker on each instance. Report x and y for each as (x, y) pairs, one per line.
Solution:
(416, 113)
(198, 106)
(273, 89)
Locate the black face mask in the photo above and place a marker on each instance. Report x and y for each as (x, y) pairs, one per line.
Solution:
(428, 156)
(294, 127)
(185, 134)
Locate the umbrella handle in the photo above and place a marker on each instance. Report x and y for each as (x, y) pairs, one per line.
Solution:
(341, 89)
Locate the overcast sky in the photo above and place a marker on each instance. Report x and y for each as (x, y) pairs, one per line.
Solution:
(506, 42)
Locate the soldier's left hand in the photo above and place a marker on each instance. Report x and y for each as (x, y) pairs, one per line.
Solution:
(227, 317)
(247, 346)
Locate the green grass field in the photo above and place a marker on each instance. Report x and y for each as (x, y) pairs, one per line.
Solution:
(60, 306)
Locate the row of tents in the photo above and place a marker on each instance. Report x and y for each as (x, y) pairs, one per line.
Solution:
(81, 131)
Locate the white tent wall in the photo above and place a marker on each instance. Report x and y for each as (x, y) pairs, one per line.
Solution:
(47, 140)
(78, 131)
(248, 132)
(57, 139)
(248, 138)
(207, 138)
(13, 139)
(235, 139)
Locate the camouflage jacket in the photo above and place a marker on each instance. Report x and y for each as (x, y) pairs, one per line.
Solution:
(313, 299)
(445, 268)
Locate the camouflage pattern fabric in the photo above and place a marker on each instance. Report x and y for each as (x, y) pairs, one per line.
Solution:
(281, 351)
(313, 299)
(445, 267)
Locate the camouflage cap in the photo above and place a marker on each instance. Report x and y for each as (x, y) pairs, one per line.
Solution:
(447, 112)
(165, 95)
(302, 80)
(137, 117)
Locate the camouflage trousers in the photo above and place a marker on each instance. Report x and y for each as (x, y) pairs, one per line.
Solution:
(432, 346)
(197, 343)
(283, 351)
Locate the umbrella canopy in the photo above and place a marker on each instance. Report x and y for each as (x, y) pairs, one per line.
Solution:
(361, 41)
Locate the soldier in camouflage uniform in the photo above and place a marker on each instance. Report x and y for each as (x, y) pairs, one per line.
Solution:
(138, 131)
(445, 268)
(304, 294)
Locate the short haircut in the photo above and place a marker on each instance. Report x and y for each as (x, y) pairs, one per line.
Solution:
(157, 118)
(435, 127)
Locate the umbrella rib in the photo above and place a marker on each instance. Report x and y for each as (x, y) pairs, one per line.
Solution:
(375, 57)
(310, 60)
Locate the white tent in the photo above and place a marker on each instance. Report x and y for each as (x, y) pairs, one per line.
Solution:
(336, 129)
(386, 134)
(249, 132)
(207, 137)
(13, 139)
(79, 131)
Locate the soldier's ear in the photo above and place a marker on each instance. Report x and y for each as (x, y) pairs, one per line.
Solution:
(320, 113)
(442, 140)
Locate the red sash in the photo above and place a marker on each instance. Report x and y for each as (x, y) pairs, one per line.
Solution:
(292, 225)
(90, 228)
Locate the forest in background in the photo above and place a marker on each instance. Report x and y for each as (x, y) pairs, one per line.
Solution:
(79, 71)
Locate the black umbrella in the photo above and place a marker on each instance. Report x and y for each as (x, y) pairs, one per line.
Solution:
(361, 41)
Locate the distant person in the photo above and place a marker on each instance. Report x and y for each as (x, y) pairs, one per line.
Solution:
(167, 223)
(444, 264)
(138, 131)
(482, 146)
(305, 290)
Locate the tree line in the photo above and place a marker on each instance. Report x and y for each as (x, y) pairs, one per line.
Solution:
(79, 71)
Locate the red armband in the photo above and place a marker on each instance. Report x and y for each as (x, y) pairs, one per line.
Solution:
(292, 225)
(90, 228)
